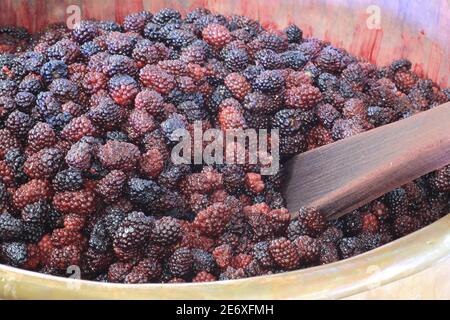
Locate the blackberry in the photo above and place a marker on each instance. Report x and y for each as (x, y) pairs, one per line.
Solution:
(119, 155)
(236, 59)
(180, 38)
(143, 192)
(64, 89)
(107, 25)
(350, 247)
(308, 249)
(85, 31)
(345, 128)
(166, 15)
(107, 114)
(305, 97)
(47, 104)
(123, 89)
(44, 163)
(172, 175)
(24, 100)
(118, 271)
(14, 253)
(120, 43)
(19, 123)
(294, 33)
(293, 59)
(88, 49)
(15, 160)
(133, 232)
(269, 81)
(119, 64)
(8, 141)
(167, 231)
(172, 124)
(11, 228)
(152, 31)
(31, 85)
(268, 40)
(180, 262)
(269, 59)
(288, 121)
(157, 79)
(54, 69)
(68, 180)
(136, 22)
(284, 253)
(30, 192)
(397, 201)
(36, 212)
(145, 271)
(401, 65)
(77, 128)
(111, 186)
(65, 50)
(82, 202)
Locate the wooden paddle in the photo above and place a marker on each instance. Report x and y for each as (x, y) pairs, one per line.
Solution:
(342, 176)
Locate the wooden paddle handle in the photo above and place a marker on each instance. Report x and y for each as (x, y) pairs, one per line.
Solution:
(342, 176)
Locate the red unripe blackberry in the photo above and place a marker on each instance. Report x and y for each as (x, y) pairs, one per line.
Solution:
(284, 253)
(304, 97)
(62, 258)
(223, 255)
(94, 82)
(111, 186)
(77, 128)
(74, 109)
(238, 85)
(152, 163)
(331, 59)
(44, 163)
(216, 35)
(118, 271)
(145, 271)
(150, 101)
(231, 115)
(107, 114)
(74, 221)
(212, 220)
(204, 276)
(80, 156)
(63, 237)
(157, 79)
(404, 224)
(123, 89)
(313, 220)
(139, 123)
(8, 140)
(18, 123)
(344, 128)
(82, 202)
(370, 223)
(32, 191)
(318, 136)
(119, 155)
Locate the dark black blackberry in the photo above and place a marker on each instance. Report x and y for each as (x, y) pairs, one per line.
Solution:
(269, 59)
(33, 231)
(220, 93)
(401, 64)
(133, 232)
(327, 114)
(327, 82)
(120, 64)
(292, 144)
(32, 85)
(352, 223)
(13, 69)
(143, 192)
(233, 175)
(32, 61)
(117, 136)
(166, 15)
(3, 195)
(36, 212)
(107, 25)
(90, 48)
(173, 123)
(272, 41)
(112, 219)
(151, 31)
(293, 59)
(203, 261)
(257, 120)
(11, 228)
(135, 22)
(25, 100)
(269, 81)
(8, 88)
(120, 43)
(100, 239)
(294, 34)
(65, 50)
(350, 247)
(15, 160)
(85, 31)
(14, 253)
(68, 180)
(397, 201)
(19, 123)
(167, 231)
(107, 114)
(180, 262)
(171, 176)
(235, 59)
(180, 38)
(192, 111)
(288, 121)
(54, 69)
(64, 89)
(59, 120)
(380, 116)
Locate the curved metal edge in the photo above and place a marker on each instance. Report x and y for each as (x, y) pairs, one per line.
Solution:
(391, 262)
